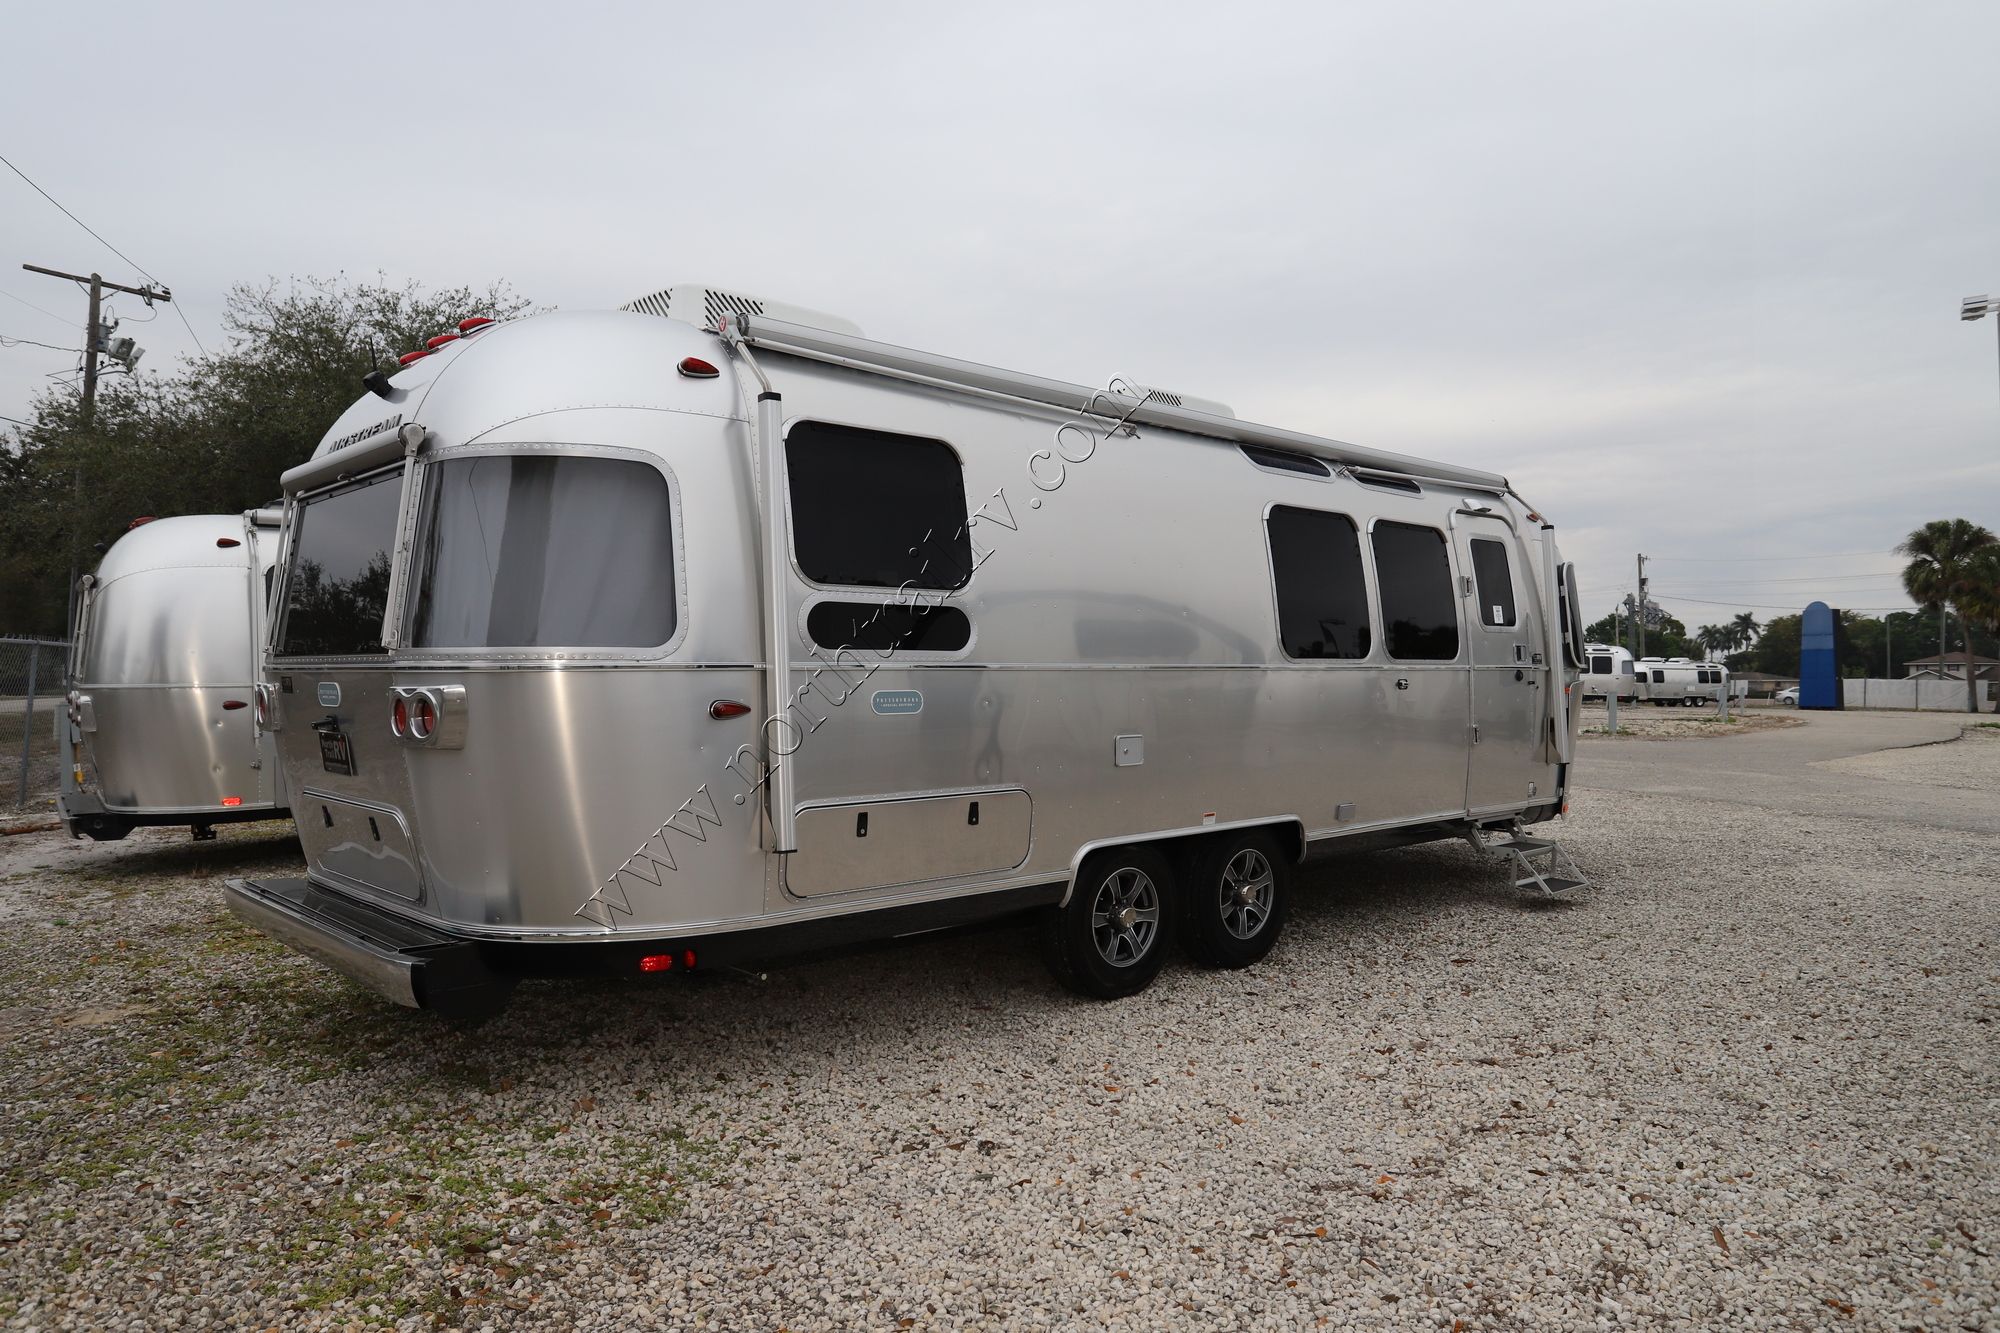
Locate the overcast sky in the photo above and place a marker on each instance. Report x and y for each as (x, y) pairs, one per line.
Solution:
(1687, 273)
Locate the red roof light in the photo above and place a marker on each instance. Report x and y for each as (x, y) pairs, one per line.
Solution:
(441, 340)
(407, 357)
(694, 368)
(227, 541)
(476, 322)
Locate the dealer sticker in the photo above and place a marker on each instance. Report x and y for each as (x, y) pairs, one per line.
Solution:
(899, 701)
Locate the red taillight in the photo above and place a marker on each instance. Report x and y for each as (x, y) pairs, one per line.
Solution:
(657, 962)
(423, 718)
(232, 801)
(476, 322)
(407, 357)
(722, 708)
(399, 718)
(441, 340)
(697, 369)
(226, 542)
(231, 705)
(687, 959)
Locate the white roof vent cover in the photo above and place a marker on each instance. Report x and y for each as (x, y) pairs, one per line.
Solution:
(704, 307)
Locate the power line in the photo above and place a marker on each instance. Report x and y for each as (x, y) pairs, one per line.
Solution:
(106, 244)
(1753, 559)
(1886, 576)
(6, 341)
(32, 306)
(1761, 606)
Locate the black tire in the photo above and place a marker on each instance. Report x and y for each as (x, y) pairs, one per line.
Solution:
(1237, 896)
(1084, 942)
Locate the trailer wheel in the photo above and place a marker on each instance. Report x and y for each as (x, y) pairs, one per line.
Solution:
(1237, 896)
(1111, 938)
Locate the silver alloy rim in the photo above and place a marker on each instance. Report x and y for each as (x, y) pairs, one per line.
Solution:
(1246, 893)
(1125, 916)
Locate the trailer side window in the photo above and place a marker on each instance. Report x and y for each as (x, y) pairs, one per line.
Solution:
(1413, 578)
(1659, 678)
(546, 551)
(339, 584)
(876, 510)
(884, 627)
(1496, 581)
(1600, 666)
(1322, 597)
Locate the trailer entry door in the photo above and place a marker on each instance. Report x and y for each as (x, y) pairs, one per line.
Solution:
(1507, 682)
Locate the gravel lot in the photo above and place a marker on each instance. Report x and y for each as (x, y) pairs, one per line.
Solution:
(1749, 1081)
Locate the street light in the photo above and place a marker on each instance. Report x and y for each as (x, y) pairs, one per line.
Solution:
(1978, 307)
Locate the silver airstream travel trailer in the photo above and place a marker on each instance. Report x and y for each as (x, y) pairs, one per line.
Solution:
(1677, 680)
(1608, 669)
(163, 724)
(711, 630)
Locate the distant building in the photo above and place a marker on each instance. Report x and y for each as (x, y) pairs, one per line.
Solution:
(1951, 666)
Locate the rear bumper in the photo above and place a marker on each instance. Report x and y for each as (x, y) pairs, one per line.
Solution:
(400, 960)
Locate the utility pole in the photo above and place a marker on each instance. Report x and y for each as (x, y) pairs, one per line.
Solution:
(1639, 611)
(93, 345)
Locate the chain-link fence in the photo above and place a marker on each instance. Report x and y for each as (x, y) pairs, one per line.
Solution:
(31, 699)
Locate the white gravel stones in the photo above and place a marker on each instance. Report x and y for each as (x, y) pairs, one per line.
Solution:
(1748, 1083)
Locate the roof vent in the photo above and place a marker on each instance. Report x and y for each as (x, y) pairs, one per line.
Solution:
(704, 307)
(1181, 400)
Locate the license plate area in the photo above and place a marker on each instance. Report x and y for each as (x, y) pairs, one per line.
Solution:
(336, 751)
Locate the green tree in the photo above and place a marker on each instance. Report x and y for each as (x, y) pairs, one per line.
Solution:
(1944, 574)
(1745, 629)
(212, 436)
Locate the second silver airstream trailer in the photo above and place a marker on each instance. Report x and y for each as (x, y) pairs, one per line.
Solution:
(709, 630)
(1667, 681)
(1608, 670)
(162, 724)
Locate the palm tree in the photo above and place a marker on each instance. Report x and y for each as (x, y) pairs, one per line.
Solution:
(1979, 604)
(1713, 638)
(1747, 629)
(1943, 572)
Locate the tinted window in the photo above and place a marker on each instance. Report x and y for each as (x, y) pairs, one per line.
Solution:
(1285, 462)
(881, 628)
(546, 551)
(1495, 580)
(340, 570)
(1659, 677)
(1625, 669)
(1322, 597)
(1413, 574)
(1600, 666)
(1388, 483)
(877, 510)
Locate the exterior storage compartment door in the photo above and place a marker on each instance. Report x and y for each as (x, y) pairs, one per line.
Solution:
(358, 844)
(907, 840)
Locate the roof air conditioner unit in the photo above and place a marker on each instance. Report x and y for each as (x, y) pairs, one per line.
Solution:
(1166, 398)
(704, 307)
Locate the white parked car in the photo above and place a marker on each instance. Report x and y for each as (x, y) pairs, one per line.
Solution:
(1789, 696)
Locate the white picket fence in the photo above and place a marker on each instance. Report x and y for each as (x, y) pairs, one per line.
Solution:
(1931, 696)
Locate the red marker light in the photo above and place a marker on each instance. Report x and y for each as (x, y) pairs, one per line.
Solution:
(139, 522)
(697, 369)
(657, 962)
(423, 721)
(231, 705)
(687, 960)
(441, 340)
(476, 322)
(399, 718)
(722, 708)
(227, 542)
(232, 801)
(407, 357)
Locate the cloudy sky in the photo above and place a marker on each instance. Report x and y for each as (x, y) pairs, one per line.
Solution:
(1688, 273)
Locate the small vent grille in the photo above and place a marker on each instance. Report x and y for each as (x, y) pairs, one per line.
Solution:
(656, 304)
(1170, 399)
(716, 304)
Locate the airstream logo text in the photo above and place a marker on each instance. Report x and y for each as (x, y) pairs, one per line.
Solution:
(329, 694)
(1075, 443)
(368, 432)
